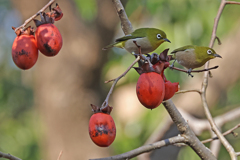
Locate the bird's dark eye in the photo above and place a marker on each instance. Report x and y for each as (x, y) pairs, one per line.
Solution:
(159, 36)
(209, 51)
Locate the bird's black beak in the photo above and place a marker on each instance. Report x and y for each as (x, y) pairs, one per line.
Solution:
(217, 55)
(165, 39)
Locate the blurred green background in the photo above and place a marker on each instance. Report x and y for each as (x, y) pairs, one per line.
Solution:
(184, 21)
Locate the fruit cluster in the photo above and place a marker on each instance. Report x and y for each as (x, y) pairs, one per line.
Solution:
(47, 39)
(152, 86)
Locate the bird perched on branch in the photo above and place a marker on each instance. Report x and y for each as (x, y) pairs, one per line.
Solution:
(147, 38)
(192, 56)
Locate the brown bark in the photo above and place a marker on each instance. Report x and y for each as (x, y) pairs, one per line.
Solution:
(66, 84)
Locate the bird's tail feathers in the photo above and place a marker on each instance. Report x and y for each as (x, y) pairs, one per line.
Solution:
(108, 46)
(117, 44)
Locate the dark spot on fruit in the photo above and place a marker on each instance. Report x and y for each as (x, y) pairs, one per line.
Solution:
(23, 52)
(20, 53)
(101, 129)
(48, 48)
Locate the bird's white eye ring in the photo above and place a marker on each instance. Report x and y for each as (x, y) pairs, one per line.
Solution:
(209, 51)
(159, 36)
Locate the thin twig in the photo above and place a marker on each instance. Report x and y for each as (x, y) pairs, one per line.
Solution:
(186, 71)
(190, 90)
(60, 154)
(223, 140)
(35, 15)
(232, 2)
(122, 75)
(224, 134)
(218, 39)
(8, 156)
(146, 148)
(105, 103)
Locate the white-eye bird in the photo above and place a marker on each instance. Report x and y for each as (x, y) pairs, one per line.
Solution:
(147, 38)
(192, 56)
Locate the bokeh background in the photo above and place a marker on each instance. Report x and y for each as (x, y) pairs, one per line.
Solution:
(46, 109)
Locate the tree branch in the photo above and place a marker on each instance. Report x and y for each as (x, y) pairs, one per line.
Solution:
(105, 103)
(60, 155)
(125, 23)
(190, 90)
(35, 15)
(230, 131)
(232, 2)
(185, 130)
(8, 156)
(146, 148)
(202, 70)
(223, 140)
(200, 125)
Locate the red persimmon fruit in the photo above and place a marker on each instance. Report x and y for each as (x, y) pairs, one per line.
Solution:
(170, 89)
(150, 89)
(102, 129)
(49, 39)
(24, 50)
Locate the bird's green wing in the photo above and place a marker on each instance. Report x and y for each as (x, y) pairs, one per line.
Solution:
(138, 33)
(183, 48)
(127, 37)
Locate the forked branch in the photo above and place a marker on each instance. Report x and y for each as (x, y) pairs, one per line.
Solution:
(215, 129)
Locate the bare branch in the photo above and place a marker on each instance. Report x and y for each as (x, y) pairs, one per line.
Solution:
(232, 2)
(223, 140)
(184, 129)
(105, 103)
(190, 90)
(202, 70)
(230, 131)
(125, 23)
(35, 15)
(196, 124)
(60, 155)
(8, 156)
(219, 41)
(200, 125)
(146, 148)
(122, 75)
(238, 153)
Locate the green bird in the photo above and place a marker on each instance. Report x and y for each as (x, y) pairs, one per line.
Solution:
(147, 38)
(192, 56)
